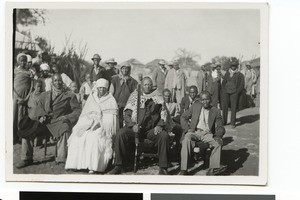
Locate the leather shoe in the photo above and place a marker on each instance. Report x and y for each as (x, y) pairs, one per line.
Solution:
(163, 171)
(116, 170)
(183, 173)
(24, 163)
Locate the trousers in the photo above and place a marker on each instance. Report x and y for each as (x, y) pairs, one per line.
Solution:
(188, 143)
(27, 146)
(233, 100)
(125, 139)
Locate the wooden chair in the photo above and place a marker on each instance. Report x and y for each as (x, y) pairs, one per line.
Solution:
(143, 149)
(146, 149)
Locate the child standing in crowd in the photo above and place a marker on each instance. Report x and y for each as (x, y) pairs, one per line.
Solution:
(86, 88)
(33, 101)
(74, 89)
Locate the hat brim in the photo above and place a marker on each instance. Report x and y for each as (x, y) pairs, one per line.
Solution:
(112, 63)
(96, 58)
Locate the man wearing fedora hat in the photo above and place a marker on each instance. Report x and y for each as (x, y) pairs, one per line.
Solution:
(96, 70)
(232, 86)
(159, 76)
(111, 70)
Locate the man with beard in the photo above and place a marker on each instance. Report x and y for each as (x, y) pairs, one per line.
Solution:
(148, 122)
(121, 87)
(205, 125)
(58, 111)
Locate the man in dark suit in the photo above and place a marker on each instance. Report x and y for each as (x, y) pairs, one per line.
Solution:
(187, 101)
(96, 70)
(232, 87)
(58, 110)
(205, 125)
(148, 123)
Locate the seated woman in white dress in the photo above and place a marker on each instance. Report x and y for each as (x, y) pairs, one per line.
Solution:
(90, 144)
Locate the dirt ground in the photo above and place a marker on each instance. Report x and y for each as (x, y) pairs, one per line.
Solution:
(240, 153)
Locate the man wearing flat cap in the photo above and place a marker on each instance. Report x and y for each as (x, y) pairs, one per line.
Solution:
(122, 85)
(232, 86)
(96, 70)
(159, 76)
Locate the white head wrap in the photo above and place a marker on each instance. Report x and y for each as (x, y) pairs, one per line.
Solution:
(19, 56)
(102, 83)
(45, 66)
(29, 59)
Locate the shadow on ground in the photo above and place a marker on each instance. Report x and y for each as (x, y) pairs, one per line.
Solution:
(234, 159)
(247, 119)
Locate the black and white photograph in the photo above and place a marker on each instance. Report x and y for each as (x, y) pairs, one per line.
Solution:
(137, 92)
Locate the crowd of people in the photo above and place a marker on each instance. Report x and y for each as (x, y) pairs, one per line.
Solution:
(97, 123)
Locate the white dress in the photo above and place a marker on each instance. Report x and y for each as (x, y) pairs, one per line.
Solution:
(90, 144)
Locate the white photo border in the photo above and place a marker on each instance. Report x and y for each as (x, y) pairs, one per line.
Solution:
(262, 177)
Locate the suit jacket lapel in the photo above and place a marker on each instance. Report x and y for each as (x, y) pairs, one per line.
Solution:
(211, 116)
(197, 115)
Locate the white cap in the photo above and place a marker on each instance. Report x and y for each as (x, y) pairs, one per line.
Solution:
(19, 56)
(102, 83)
(45, 66)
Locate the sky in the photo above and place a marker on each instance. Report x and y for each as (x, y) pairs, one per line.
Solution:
(150, 34)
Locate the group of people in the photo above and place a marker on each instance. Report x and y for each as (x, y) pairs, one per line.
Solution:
(99, 125)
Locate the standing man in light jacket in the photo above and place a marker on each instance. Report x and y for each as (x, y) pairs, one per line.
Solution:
(159, 76)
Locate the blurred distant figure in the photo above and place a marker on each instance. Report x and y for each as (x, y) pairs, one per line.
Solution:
(74, 89)
(220, 79)
(201, 79)
(159, 76)
(140, 78)
(250, 80)
(176, 82)
(29, 61)
(86, 88)
(45, 76)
